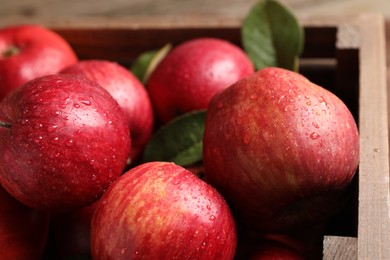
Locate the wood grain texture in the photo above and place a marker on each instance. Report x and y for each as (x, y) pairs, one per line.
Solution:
(339, 248)
(373, 230)
(226, 8)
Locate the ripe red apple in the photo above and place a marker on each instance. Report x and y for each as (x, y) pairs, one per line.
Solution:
(63, 141)
(128, 91)
(160, 210)
(190, 75)
(23, 230)
(28, 52)
(281, 150)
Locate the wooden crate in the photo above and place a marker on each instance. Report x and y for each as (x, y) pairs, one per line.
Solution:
(345, 55)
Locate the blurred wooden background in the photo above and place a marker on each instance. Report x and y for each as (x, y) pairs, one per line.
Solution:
(43, 9)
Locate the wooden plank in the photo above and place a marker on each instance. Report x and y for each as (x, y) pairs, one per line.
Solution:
(117, 8)
(373, 229)
(339, 248)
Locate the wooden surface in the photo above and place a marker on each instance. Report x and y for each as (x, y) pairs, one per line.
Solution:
(373, 230)
(232, 8)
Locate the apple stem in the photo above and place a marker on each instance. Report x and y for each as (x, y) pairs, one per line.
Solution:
(11, 51)
(4, 124)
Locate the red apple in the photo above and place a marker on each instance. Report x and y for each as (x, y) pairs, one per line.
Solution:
(63, 141)
(23, 230)
(281, 150)
(28, 52)
(192, 73)
(128, 91)
(160, 210)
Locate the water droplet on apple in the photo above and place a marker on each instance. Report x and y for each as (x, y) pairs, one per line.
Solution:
(85, 102)
(76, 105)
(212, 218)
(38, 125)
(56, 113)
(93, 177)
(314, 135)
(253, 97)
(38, 139)
(322, 100)
(69, 142)
(55, 140)
(52, 128)
(316, 125)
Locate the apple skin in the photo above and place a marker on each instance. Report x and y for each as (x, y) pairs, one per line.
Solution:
(281, 150)
(23, 230)
(66, 141)
(128, 91)
(192, 73)
(40, 51)
(159, 210)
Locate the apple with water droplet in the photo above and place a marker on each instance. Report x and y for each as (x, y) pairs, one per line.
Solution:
(192, 73)
(23, 230)
(128, 91)
(30, 51)
(159, 210)
(282, 150)
(63, 141)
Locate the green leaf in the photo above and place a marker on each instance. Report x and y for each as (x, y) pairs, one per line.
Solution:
(144, 65)
(141, 63)
(179, 141)
(272, 36)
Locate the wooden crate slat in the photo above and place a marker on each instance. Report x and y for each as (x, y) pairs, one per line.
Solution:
(373, 229)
